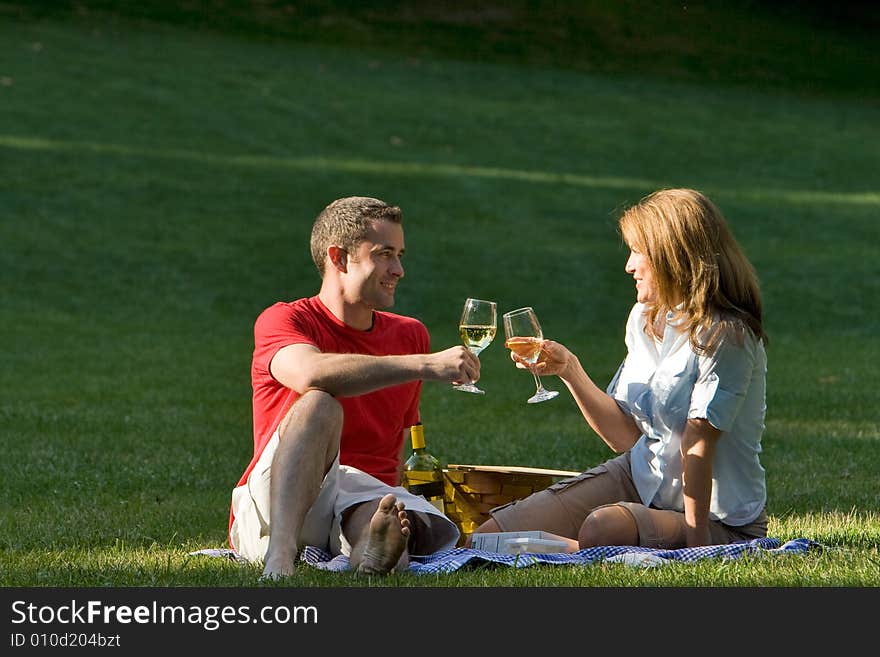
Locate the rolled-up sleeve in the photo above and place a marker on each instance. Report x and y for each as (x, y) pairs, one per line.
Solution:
(723, 378)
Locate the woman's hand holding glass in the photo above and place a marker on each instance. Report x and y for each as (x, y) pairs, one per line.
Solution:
(555, 359)
(525, 339)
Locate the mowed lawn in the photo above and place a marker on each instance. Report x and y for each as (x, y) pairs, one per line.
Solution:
(157, 189)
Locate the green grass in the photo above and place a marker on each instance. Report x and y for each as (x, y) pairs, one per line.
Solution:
(158, 183)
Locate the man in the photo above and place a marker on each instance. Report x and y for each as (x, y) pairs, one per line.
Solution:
(336, 384)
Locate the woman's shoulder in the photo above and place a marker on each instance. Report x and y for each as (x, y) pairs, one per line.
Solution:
(728, 333)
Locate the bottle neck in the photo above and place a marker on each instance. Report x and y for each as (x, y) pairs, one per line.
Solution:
(417, 435)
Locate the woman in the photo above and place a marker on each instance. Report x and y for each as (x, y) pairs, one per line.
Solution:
(686, 407)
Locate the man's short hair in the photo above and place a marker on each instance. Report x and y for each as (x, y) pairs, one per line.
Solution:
(346, 222)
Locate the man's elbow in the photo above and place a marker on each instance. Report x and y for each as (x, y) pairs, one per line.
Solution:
(306, 382)
(299, 380)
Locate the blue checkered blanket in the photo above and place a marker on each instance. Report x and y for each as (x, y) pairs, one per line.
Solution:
(448, 561)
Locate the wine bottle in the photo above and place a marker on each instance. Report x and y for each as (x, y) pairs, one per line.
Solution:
(422, 473)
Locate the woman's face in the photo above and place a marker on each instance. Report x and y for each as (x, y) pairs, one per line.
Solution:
(637, 265)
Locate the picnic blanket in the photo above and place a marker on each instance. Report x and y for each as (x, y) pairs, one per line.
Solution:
(448, 561)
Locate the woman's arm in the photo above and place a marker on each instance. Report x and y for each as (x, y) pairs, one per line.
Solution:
(600, 410)
(697, 449)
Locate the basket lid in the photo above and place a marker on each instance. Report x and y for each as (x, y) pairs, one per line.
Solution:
(512, 469)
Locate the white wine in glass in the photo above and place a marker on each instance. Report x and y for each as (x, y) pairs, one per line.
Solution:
(477, 330)
(524, 338)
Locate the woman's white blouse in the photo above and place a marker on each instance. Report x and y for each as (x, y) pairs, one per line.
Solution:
(663, 384)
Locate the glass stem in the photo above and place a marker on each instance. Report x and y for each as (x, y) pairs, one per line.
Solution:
(537, 382)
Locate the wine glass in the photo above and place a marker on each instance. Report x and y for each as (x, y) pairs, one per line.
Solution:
(524, 337)
(477, 329)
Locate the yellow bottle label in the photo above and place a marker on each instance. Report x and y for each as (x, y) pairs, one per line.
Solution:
(423, 475)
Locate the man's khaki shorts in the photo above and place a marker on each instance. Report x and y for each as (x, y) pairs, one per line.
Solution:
(562, 508)
(342, 488)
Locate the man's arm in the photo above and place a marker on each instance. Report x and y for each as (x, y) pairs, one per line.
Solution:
(301, 367)
(697, 450)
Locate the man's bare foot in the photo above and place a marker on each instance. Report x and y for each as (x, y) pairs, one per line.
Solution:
(277, 568)
(387, 536)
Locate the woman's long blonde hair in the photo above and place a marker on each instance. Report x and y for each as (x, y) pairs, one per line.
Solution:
(700, 271)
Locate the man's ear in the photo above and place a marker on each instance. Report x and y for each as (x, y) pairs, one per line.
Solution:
(338, 257)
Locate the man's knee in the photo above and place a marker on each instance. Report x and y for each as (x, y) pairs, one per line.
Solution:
(608, 525)
(318, 411)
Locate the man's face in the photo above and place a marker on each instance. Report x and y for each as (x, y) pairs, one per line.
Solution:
(374, 269)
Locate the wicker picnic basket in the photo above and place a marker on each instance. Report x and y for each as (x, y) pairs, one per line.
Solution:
(471, 491)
